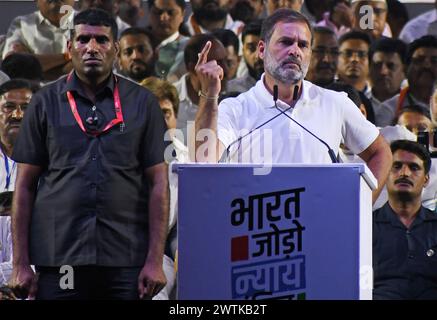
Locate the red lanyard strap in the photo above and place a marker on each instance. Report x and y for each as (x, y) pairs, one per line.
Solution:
(118, 111)
(401, 100)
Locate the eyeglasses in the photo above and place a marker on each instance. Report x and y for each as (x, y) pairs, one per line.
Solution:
(349, 53)
(321, 52)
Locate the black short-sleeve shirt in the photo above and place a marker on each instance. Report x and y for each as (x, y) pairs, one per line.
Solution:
(91, 206)
(404, 259)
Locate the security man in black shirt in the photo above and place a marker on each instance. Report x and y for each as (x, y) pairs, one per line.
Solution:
(405, 232)
(92, 189)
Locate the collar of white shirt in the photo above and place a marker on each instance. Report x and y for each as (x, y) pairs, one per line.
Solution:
(166, 41)
(266, 97)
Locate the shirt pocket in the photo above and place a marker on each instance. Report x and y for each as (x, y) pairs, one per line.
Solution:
(67, 146)
(123, 149)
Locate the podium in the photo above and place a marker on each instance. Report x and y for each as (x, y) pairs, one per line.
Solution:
(301, 232)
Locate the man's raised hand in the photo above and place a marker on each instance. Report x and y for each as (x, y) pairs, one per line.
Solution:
(209, 73)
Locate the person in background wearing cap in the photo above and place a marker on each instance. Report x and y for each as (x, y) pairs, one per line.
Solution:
(405, 232)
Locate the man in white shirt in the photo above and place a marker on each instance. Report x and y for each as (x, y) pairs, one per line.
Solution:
(285, 47)
(41, 33)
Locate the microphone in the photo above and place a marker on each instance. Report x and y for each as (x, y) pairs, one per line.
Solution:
(295, 94)
(225, 155)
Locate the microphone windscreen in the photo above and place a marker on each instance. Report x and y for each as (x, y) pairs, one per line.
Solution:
(295, 92)
(275, 92)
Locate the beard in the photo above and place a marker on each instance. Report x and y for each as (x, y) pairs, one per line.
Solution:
(257, 70)
(139, 74)
(281, 72)
(210, 10)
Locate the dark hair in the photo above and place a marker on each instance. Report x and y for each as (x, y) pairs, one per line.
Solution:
(413, 108)
(358, 98)
(427, 41)
(19, 84)
(311, 6)
(252, 28)
(230, 94)
(324, 30)
(96, 17)
(389, 45)
(413, 147)
(195, 45)
(352, 93)
(180, 3)
(242, 10)
(135, 31)
(369, 107)
(22, 65)
(227, 38)
(163, 89)
(283, 15)
(398, 9)
(355, 34)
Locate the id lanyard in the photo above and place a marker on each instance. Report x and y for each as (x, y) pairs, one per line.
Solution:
(118, 111)
(8, 172)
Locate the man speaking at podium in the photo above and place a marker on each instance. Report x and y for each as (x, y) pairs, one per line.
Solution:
(283, 118)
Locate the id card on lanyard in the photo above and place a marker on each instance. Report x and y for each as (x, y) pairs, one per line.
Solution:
(8, 170)
(118, 111)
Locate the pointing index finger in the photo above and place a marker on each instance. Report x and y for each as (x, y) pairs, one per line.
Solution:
(203, 55)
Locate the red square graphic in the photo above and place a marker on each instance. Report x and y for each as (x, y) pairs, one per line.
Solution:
(240, 248)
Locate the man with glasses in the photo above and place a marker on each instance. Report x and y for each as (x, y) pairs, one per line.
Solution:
(353, 63)
(421, 66)
(324, 60)
(14, 98)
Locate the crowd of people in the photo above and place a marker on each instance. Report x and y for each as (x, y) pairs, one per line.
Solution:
(91, 101)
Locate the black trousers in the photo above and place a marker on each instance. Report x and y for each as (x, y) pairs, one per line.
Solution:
(89, 283)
